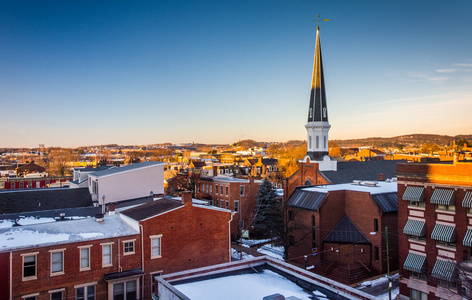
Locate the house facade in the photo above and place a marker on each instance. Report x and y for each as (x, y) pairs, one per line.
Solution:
(435, 230)
(335, 225)
(114, 256)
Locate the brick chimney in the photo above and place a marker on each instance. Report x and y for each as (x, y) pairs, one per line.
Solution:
(215, 170)
(381, 177)
(251, 180)
(186, 198)
(111, 209)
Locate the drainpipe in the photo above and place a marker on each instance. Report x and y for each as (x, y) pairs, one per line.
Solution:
(120, 269)
(11, 274)
(229, 236)
(142, 258)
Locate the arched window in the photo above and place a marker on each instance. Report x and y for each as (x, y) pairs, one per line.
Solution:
(317, 142)
(309, 142)
(324, 142)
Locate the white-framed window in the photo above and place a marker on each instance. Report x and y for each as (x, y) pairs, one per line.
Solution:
(128, 247)
(30, 266)
(211, 189)
(216, 189)
(84, 252)
(227, 205)
(127, 290)
(106, 254)
(226, 190)
(241, 190)
(30, 296)
(57, 262)
(236, 205)
(153, 284)
(85, 291)
(217, 203)
(156, 246)
(56, 294)
(317, 142)
(418, 295)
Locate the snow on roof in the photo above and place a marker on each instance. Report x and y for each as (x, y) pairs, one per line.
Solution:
(256, 286)
(232, 179)
(361, 186)
(63, 232)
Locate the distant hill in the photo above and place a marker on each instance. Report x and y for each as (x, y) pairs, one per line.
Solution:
(411, 140)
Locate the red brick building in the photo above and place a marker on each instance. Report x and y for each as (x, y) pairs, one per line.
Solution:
(435, 230)
(19, 183)
(343, 225)
(238, 195)
(114, 258)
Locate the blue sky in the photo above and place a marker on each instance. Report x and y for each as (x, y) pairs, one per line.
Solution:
(78, 73)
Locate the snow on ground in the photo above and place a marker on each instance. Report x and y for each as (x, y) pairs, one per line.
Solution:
(381, 281)
(272, 251)
(246, 286)
(237, 255)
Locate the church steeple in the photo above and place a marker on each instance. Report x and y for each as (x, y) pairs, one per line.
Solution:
(317, 126)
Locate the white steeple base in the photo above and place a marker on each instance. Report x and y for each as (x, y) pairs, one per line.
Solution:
(326, 164)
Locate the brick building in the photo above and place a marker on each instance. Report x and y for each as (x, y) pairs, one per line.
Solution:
(435, 230)
(238, 195)
(114, 257)
(341, 226)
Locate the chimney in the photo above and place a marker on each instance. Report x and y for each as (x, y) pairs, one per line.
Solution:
(215, 170)
(111, 209)
(381, 177)
(186, 198)
(251, 180)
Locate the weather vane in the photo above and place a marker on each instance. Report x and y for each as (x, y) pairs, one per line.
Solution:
(318, 22)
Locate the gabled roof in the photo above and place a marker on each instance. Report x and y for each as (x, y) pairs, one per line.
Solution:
(362, 170)
(127, 168)
(269, 161)
(154, 208)
(43, 199)
(301, 198)
(346, 232)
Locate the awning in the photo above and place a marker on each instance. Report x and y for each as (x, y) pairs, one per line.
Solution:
(442, 197)
(414, 227)
(467, 241)
(414, 262)
(443, 270)
(467, 202)
(414, 194)
(444, 233)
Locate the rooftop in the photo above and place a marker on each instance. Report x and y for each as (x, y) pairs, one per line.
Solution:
(63, 232)
(358, 186)
(347, 171)
(131, 167)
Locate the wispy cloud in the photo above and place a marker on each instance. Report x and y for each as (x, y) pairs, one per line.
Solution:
(428, 77)
(457, 67)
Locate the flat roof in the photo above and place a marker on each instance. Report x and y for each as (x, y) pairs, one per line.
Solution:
(63, 232)
(380, 187)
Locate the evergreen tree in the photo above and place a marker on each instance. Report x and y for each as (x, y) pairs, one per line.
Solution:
(269, 211)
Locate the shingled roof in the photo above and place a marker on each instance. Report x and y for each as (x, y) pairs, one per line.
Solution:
(150, 209)
(362, 170)
(43, 199)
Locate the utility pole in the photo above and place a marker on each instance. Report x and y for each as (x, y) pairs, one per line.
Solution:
(388, 267)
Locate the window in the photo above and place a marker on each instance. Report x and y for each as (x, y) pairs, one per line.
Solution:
(22, 185)
(84, 258)
(291, 217)
(94, 187)
(216, 189)
(226, 190)
(211, 189)
(376, 225)
(236, 205)
(55, 295)
(85, 292)
(241, 190)
(417, 295)
(445, 207)
(309, 141)
(156, 246)
(30, 296)
(29, 266)
(12, 185)
(153, 285)
(227, 205)
(106, 255)
(128, 247)
(57, 262)
(317, 142)
(324, 142)
(376, 253)
(125, 290)
(216, 202)
(416, 204)
(291, 240)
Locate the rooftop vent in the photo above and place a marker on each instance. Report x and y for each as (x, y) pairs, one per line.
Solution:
(370, 183)
(99, 217)
(358, 182)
